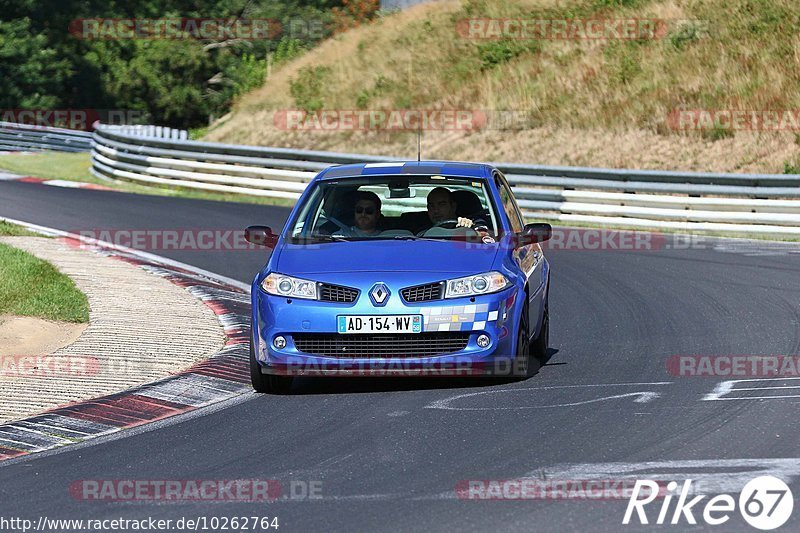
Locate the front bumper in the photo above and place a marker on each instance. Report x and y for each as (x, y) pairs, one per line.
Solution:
(492, 315)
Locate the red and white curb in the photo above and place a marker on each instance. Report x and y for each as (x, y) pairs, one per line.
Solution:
(5, 176)
(222, 376)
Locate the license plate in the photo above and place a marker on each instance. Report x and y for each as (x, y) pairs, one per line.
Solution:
(380, 323)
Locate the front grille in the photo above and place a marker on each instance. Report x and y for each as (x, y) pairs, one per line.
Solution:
(380, 346)
(424, 293)
(337, 293)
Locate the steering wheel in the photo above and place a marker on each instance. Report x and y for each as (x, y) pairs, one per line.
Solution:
(342, 227)
(450, 223)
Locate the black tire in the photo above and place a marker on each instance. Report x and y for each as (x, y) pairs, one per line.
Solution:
(267, 383)
(523, 347)
(541, 343)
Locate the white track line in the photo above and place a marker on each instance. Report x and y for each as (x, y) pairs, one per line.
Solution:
(52, 232)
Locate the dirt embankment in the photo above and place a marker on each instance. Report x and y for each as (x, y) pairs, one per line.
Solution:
(608, 102)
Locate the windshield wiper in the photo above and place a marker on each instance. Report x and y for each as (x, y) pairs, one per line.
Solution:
(414, 238)
(319, 238)
(439, 239)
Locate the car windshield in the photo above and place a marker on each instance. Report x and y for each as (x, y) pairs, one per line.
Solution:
(395, 207)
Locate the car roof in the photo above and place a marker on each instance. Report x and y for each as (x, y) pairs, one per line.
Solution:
(393, 168)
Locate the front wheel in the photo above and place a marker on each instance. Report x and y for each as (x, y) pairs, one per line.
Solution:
(267, 383)
(541, 343)
(520, 367)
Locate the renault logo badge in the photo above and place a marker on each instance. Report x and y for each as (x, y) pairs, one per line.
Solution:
(379, 294)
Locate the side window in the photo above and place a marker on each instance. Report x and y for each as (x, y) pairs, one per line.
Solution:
(509, 204)
(309, 212)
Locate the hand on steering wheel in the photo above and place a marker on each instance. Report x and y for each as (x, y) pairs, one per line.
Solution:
(452, 223)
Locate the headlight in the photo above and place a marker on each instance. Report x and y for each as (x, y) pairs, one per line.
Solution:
(476, 285)
(290, 287)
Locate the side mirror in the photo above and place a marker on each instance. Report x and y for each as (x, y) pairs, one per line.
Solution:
(261, 236)
(533, 233)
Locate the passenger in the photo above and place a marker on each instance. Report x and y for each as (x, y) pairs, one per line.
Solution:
(367, 214)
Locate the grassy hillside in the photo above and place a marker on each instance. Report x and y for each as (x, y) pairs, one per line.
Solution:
(576, 101)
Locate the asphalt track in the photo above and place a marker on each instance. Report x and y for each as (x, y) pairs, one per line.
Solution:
(390, 453)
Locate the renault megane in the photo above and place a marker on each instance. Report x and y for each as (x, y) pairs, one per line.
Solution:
(400, 268)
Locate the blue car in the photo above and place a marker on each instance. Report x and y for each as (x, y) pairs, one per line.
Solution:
(400, 268)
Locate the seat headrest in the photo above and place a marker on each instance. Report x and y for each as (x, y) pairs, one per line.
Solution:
(467, 203)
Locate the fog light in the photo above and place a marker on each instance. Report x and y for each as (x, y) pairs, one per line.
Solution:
(483, 341)
(279, 342)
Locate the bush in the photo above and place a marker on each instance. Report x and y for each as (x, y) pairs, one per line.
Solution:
(687, 33)
(308, 87)
(288, 49)
(718, 132)
(354, 13)
(496, 53)
(249, 73)
(609, 4)
(363, 98)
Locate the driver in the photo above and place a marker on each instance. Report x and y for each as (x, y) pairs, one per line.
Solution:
(441, 207)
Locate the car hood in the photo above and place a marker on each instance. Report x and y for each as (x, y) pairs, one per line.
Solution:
(386, 256)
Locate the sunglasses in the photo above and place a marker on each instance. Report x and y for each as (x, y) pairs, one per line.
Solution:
(367, 210)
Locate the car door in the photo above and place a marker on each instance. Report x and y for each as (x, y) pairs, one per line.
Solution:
(527, 258)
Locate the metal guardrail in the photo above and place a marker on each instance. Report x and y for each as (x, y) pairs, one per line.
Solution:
(767, 204)
(26, 138)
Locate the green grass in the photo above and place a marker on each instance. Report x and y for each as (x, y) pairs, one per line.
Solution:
(12, 230)
(198, 133)
(75, 167)
(32, 287)
(52, 165)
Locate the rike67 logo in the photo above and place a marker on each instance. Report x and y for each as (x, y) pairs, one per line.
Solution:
(765, 503)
